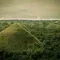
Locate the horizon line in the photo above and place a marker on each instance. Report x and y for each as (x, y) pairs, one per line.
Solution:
(29, 19)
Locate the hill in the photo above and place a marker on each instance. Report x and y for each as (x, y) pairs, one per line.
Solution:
(18, 38)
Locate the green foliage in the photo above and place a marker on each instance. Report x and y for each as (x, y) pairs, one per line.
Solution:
(23, 46)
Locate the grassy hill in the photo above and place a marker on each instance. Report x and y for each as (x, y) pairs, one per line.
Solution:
(18, 38)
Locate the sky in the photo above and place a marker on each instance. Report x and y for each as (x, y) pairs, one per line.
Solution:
(44, 9)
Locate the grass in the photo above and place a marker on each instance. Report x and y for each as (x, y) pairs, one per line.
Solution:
(18, 38)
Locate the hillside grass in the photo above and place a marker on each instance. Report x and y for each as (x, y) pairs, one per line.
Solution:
(18, 38)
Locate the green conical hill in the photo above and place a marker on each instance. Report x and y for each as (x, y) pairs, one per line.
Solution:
(18, 38)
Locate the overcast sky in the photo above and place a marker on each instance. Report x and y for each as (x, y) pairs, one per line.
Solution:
(30, 8)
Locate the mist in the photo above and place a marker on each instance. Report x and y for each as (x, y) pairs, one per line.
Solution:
(30, 9)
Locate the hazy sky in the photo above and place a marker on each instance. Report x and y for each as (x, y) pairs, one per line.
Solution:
(30, 8)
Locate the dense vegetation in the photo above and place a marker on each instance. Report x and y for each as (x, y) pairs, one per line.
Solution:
(30, 40)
